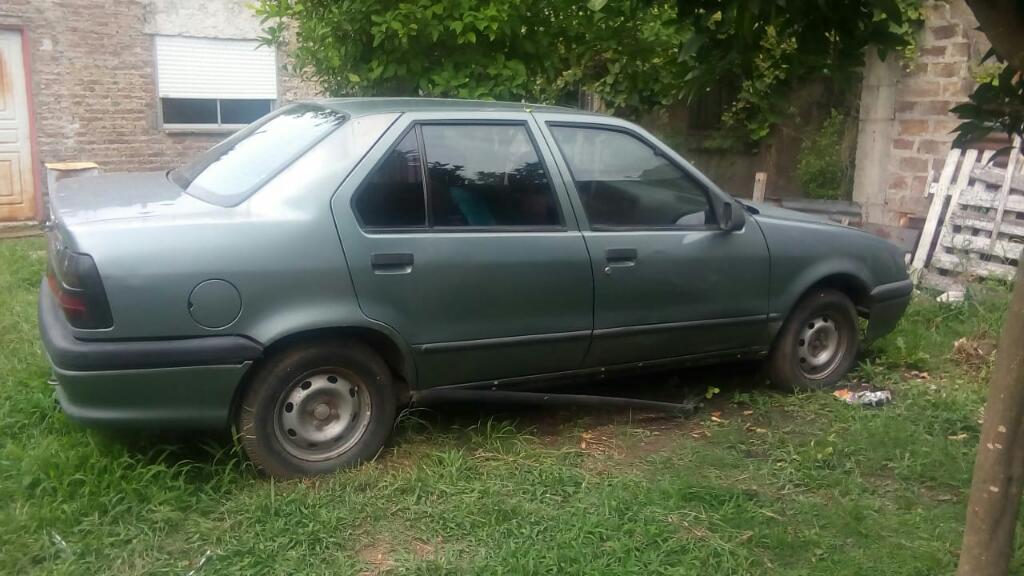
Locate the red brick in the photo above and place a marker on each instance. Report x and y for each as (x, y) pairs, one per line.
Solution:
(933, 147)
(921, 89)
(923, 107)
(918, 184)
(914, 165)
(960, 50)
(898, 182)
(947, 69)
(933, 52)
(944, 32)
(959, 89)
(912, 127)
(936, 12)
(902, 144)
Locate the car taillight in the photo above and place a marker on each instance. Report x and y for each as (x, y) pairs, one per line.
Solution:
(75, 282)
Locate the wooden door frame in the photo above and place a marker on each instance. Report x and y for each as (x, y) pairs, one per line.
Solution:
(33, 147)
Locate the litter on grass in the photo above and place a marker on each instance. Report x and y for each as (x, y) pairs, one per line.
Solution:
(872, 398)
(951, 297)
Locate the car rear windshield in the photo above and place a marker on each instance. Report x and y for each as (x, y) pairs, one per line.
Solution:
(231, 171)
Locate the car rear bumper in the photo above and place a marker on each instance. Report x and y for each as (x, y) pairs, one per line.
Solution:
(888, 302)
(175, 383)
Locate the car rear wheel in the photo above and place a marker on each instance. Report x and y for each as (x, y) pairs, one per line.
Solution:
(316, 408)
(817, 344)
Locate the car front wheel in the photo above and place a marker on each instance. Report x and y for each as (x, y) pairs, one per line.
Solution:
(316, 408)
(817, 344)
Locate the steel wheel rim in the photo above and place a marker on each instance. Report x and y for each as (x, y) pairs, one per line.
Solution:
(322, 414)
(820, 346)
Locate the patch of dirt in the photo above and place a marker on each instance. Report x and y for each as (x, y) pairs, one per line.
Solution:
(379, 556)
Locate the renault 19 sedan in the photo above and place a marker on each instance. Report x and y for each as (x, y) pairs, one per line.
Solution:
(309, 275)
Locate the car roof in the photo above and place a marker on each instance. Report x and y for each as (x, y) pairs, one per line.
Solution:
(367, 106)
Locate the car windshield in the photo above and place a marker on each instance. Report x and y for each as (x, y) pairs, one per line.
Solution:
(231, 171)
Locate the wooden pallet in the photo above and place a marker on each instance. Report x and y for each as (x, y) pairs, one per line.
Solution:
(975, 224)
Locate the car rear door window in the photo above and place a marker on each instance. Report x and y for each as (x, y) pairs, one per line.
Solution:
(485, 176)
(392, 196)
(623, 182)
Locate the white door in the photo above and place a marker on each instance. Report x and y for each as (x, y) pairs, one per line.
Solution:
(17, 189)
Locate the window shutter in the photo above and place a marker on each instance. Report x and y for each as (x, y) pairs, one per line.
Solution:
(215, 68)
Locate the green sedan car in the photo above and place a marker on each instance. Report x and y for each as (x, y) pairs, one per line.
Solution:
(308, 276)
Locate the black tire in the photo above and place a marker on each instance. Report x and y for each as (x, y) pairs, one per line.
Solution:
(338, 394)
(798, 359)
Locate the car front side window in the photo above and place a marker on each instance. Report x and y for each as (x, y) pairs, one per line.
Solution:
(623, 182)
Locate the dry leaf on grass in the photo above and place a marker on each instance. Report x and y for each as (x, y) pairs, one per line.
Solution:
(972, 351)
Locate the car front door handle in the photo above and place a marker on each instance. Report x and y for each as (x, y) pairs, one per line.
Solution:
(620, 256)
(391, 263)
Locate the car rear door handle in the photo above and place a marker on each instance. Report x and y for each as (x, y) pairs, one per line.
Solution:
(620, 256)
(391, 263)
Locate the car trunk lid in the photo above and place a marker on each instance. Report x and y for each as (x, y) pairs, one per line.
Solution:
(120, 196)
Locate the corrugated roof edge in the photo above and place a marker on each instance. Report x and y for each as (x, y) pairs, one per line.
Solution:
(367, 106)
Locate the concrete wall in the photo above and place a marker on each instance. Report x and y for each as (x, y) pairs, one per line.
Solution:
(905, 123)
(734, 170)
(92, 76)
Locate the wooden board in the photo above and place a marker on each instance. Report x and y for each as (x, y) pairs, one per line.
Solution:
(935, 212)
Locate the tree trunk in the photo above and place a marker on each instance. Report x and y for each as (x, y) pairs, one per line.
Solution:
(1002, 22)
(999, 466)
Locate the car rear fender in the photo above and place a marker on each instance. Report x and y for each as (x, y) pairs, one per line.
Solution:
(328, 320)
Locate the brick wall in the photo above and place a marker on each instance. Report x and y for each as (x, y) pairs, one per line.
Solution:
(94, 89)
(905, 119)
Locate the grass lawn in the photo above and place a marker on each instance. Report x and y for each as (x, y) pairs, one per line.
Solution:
(757, 483)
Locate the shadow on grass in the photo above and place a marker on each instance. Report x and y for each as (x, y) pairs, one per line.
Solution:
(211, 450)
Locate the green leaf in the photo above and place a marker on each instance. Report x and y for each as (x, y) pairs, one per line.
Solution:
(596, 5)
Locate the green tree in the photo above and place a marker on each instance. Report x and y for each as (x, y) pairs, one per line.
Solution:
(634, 54)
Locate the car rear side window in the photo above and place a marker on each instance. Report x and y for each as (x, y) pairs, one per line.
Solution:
(392, 196)
(625, 183)
(231, 171)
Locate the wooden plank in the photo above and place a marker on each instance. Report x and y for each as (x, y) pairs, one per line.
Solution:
(985, 199)
(947, 171)
(1009, 228)
(760, 184)
(971, 264)
(963, 177)
(934, 219)
(986, 157)
(977, 244)
(996, 177)
(962, 181)
(1004, 192)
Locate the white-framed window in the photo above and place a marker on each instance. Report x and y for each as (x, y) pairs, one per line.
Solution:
(212, 83)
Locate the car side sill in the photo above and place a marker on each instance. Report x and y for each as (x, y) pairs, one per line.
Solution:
(499, 342)
(668, 326)
(562, 336)
(520, 382)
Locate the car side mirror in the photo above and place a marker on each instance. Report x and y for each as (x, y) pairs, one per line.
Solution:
(733, 218)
